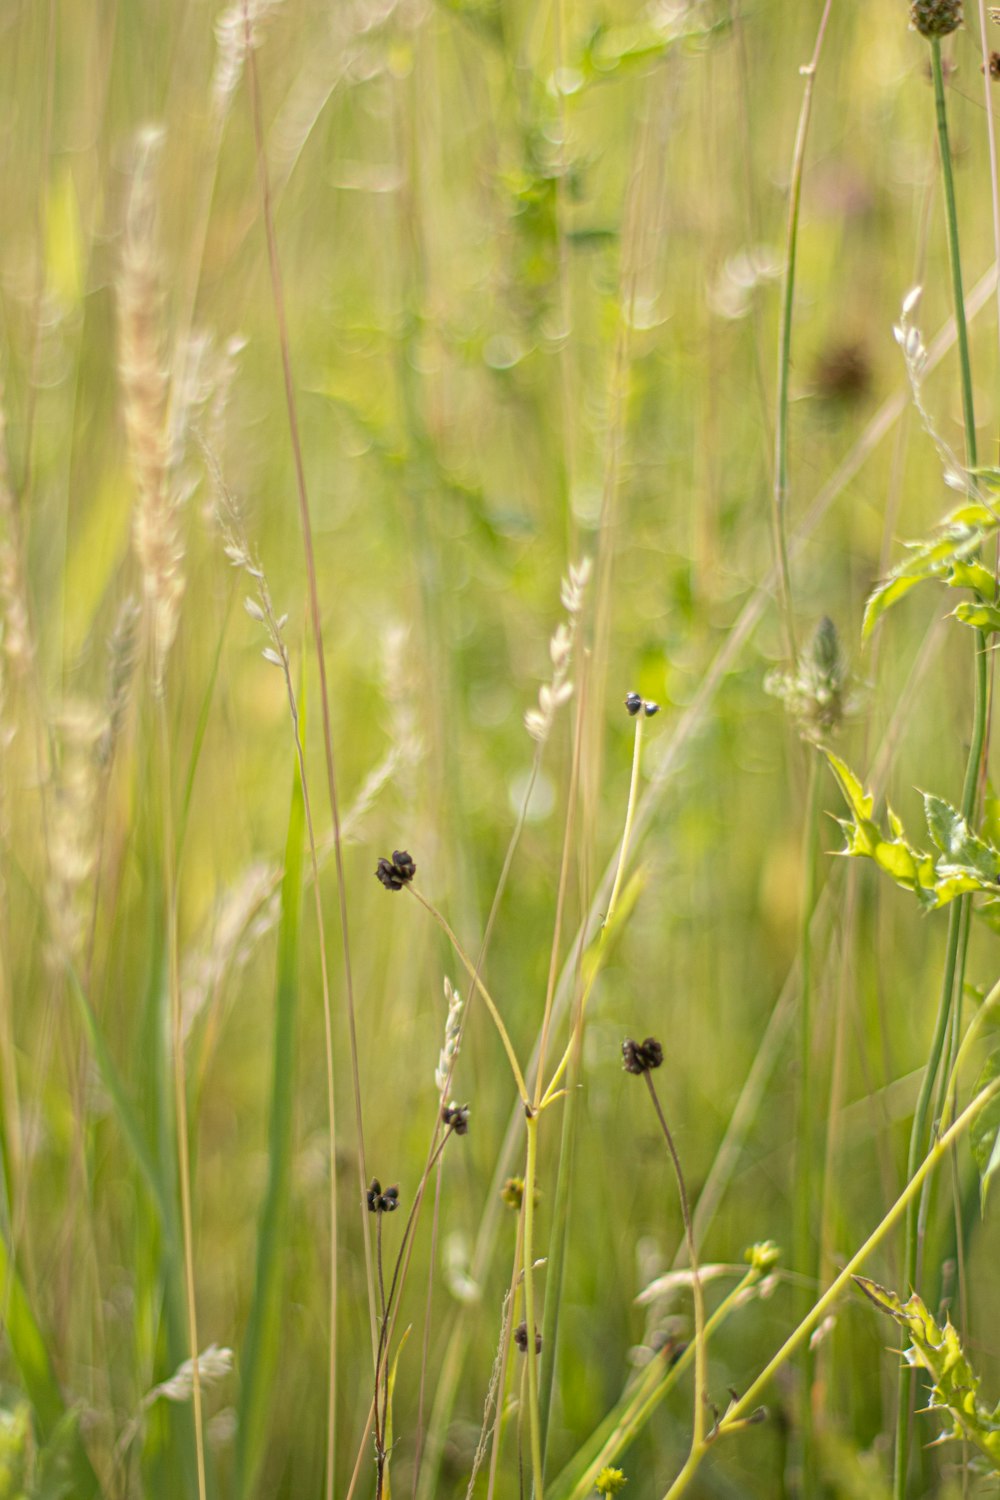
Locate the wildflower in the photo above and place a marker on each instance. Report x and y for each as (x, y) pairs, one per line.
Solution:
(641, 1057)
(512, 1193)
(935, 18)
(814, 694)
(380, 1202)
(397, 872)
(521, 1338)
(610, 1482)
(457, 1116)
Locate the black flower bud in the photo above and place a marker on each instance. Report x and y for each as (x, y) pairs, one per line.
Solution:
(457, 1116)
(650, 708)
(641, 1057)
(633, 703)
(396, 872)
(380, 1202)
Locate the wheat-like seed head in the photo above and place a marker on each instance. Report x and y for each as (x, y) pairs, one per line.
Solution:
(15, 630)
(142, 369)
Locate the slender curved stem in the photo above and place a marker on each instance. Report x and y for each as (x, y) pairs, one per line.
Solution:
(633, 798)
(488, 1000)
(737, 1415)
(785, 342)
(700, 1344)
(534, 1425)
(958, 927)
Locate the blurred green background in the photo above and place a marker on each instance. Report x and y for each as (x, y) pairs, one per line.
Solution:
(531, 258)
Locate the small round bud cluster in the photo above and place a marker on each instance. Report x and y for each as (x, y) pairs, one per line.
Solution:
(380, 1202)
(396, 872)
(633, 702)
(641, 1057)
(457, 1116)
(763, 1256)
(521, 1338)
(935, 18)
(512, 1193)
(610, 1482)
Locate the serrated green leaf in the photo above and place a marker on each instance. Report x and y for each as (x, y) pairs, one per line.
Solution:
(984, 1133)
(939, 1351)
(948, 555)
(972, 575)
(984, 617)
(966, 852)
(860, 804)
(882, 598)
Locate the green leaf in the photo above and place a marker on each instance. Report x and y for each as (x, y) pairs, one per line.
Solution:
(939, 1351)
(263, 1338)
(984, 617)
(860, 804)
(949, 556)
(26, 1343)
(386, 1488)
(984, 1133)
(972, 575)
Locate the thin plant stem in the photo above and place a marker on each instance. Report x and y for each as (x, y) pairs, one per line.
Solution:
(473, 974)
(958, 926)
(623, 852)
(741, 1410)
(180, 1090)
(534, 1424)
(654, 1385)
(804, 1258)
(779, 512)
(697, 1292)
(564, 864)
(277, 294)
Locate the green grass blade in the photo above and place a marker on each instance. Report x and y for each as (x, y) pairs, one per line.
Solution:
(24, 1338)
(260, 1347)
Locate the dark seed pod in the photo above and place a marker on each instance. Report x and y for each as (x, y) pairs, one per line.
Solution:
(650, 708)
(457, 1116)
(521, 1338)
(396, 872)
(935, 18)
(641, 1057)
(633, 703)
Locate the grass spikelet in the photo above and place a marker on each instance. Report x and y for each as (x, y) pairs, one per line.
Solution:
(554, 693)
(79, 730)
(142, 371)
(15, 629)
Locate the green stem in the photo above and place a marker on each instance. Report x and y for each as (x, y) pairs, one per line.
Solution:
(740, 1410)
(633, 798)
(785, 342)
(958, 926)
(654, 1384)
(804, 1253)
(954, 258)
(530, 1175)
(700, 1346)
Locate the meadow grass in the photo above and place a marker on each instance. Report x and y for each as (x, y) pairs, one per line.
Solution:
(549, 387)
